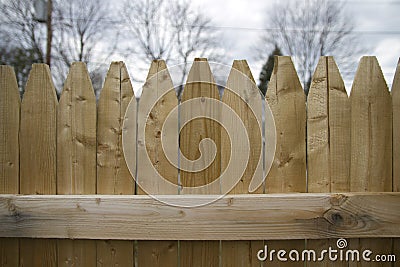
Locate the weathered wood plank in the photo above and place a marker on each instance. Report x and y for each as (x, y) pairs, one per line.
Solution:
(234, 217)
(371, 129)
(328, 130)
(158, 95)
(286, 98)
(76, 134)
(396, 141)
(9, 153)
(113, 176)
(371, 140)
(9, 131)
(38, 154)
(38, 133)
(328, 137)
(76, 155)
(200, 84)
(157, 101)
(396, 129)
(243, 96)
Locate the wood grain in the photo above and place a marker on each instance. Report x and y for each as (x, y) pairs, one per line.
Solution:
(371, 140)
(158, 97)
(328, 139)
(396, 144)
(243, 96)
(76, 134)
(396, 129)
(158, 93)
(113, 176)
(200, 84)
(234, 217)
(328, 130)
(286, 98)
(9, 153)
(38, 154)
(76, 155)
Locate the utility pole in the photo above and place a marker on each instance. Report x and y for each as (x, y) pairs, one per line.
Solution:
(49, 31)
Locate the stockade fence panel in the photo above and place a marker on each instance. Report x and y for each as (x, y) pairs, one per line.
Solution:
(341, 153)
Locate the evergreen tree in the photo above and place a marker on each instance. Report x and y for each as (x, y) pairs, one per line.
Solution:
(267, 69)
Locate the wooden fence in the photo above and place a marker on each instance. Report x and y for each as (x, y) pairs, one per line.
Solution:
(328, 147)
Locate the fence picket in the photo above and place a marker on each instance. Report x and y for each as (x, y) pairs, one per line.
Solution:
(157, 94)
(76, 134)
(113, 176)
(243, 93)
(396, 141)
(371, 140)
(76, 155)
(38, 144)
(200, 83)
(9, 153)
(328, 137)
(286, 98)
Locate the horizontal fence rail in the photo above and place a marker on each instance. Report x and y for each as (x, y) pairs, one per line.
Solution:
(234, 217)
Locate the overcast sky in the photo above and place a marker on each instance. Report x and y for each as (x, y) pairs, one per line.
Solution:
(377, 22)
(242, 20)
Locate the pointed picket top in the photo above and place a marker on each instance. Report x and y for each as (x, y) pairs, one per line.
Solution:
(243, 96)
(369, 80)
(200, 72)
(396, 129)
(157, 101)
(371, 129)
(283, 80)
(113, 176)
(76, 134)
(328, 130)
(286, 98)
(9, 131)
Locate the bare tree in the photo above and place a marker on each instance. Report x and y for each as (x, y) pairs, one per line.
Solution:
(22, 38)
(309, 29)
(19, 25)
(173, 31)
(82, 26)
(79, 27)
